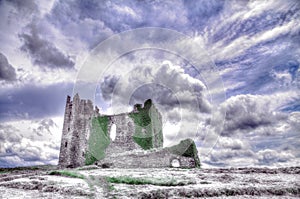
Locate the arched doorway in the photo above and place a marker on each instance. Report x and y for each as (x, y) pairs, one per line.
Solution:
(175, 163)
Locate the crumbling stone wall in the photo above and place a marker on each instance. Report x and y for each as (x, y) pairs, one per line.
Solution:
(140, 129)
(184, 154)
(76, 130)
(124, 134)
(146, 159)
(148, 126)
(86, 138)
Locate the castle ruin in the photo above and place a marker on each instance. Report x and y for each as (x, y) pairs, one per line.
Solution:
(87, 138)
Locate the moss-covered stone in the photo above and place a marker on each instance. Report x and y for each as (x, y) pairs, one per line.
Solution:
(186, 148)
(89, 158)
(145, 143)
(148, 126)
(98, 140)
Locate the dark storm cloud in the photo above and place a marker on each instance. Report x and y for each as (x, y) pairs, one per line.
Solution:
(107, 86)
(42, 52)
(31, 101)
(7, 72)
(256, 133)
(247, 113)
(250, 115)
(160, 95)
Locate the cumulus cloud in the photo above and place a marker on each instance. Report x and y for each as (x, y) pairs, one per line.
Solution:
(44, 53)
(231, 143)
(27, 142)
(242, 152)
(180, 97)
(254, 113)
(154, 78)
(254, 130)
(7, 71)
(269, 156)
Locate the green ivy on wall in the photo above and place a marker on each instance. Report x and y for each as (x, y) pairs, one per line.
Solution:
(147, 126)
(98, 140)
(186, 148)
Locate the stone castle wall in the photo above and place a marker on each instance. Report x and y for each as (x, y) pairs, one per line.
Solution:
(124, 134)
(146, 159)
(78, 127)
(86, 138)
(156, 124)
(76, 130)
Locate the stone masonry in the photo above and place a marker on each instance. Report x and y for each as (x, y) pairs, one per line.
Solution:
(76, 130)
(124, 135)
(137, 144)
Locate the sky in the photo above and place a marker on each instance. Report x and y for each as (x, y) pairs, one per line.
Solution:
(239, 101)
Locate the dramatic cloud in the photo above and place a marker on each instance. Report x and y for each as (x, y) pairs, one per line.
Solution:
(180, 97)
(42, 52)
(254, 113)
(147, 75)
(7, 72)
(32, 102)
(26, 143)
(254, 44)
(107, 87)
(269, 156)
(93, 20)
(254, 130)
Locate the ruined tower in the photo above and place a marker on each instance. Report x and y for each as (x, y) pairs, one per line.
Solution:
(76, 130)
(86, 133)
(86, 138)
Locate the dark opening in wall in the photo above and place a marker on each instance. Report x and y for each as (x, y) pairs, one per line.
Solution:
(82, 154)
(69, 129)
(66, 144)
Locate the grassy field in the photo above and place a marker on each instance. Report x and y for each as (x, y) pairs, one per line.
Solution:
(66, 173)
(145, 181)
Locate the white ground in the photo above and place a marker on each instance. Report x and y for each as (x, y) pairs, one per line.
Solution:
(193, 183)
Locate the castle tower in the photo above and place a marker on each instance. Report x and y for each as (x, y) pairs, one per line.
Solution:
(64, 158)
(76, 130)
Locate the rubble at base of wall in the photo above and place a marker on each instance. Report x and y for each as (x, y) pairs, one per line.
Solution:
(157, 158)
(160, 159)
